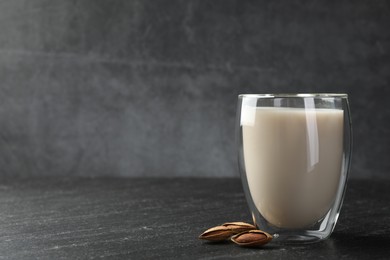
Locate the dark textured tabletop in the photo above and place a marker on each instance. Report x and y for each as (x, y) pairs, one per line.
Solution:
(81, 218)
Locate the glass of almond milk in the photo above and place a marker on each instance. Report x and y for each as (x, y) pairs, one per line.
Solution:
(294, 157)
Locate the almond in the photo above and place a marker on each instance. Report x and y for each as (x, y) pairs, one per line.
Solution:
(252, 238)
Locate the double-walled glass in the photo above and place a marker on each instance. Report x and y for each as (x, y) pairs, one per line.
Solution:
(294, 155)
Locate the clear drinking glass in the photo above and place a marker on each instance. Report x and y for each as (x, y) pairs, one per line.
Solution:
(294, 153)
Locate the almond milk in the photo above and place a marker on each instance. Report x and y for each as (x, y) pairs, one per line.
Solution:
(293, 160)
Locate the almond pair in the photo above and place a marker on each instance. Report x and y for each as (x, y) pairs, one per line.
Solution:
(241, 233)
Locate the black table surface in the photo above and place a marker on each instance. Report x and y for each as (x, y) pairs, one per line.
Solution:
(161, 218)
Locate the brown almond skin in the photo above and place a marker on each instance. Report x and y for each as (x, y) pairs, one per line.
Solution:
(238, 227)
(252, 238)
(225, 231)
(238, 224)
(218, 233)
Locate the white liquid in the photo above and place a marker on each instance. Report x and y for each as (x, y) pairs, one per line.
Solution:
(293, 160)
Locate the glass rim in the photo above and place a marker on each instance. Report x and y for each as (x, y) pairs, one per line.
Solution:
(296, 95)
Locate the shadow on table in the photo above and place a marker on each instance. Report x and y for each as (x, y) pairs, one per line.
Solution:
(231, 244)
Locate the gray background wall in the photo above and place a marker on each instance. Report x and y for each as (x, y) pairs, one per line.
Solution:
(149, 88)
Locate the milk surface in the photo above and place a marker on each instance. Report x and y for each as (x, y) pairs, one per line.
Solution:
(293, 160)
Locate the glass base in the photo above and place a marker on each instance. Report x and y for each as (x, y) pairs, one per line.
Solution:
(297, 238)
(317, 232)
